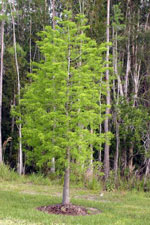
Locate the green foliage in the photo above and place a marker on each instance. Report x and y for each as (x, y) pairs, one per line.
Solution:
(61, 105)
(110, 183)
(134, 121)
(20, 51)
(118, 18)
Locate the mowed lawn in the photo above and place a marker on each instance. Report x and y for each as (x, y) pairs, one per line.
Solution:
(18, 202)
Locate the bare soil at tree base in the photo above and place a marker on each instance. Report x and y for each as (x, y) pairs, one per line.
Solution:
(68, 209)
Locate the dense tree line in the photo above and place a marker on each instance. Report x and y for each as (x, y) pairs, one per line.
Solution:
(113, 125)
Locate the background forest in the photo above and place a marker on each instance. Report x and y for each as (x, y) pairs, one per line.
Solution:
(107, 99)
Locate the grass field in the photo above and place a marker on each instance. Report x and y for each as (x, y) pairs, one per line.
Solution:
(19, 199)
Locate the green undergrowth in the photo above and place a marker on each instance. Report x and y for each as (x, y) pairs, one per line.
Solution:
(8, 174)
(95, 184)
(19, 198)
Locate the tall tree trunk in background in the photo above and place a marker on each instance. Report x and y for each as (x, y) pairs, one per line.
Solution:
(1, 82)
(147, 160)
(130, 162)
(128, 65)
(82, 6)
(30, 41)
(46, 10)
(124, 159)
(136, 68)
(147, 171)
(117, 150)
(53, 13)
(91, 159)
(106, 123)
(100, 126)
(116, 98)
(20, 169)
(12, 125)
(136, 62)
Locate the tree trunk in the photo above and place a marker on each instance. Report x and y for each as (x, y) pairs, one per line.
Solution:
(106, 124)
(20, 169)
(53, 165)
(128, 65)
(127, 68)
(66, 198)
(117, 150)
(123, 158)
(90, 168)
(130, 162)
(100, 146)
(147, 172)
(12, 126)
(116, 98)
(100, 125)
(30, 41)
(82, 6)
(136, 65)
(1, 82)
(53, 14)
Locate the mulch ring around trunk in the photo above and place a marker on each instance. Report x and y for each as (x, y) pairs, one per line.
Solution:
(68, 209)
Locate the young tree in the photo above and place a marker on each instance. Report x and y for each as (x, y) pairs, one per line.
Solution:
(61, 80)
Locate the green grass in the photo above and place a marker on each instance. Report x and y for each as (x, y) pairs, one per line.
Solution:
(20, 196)
(18, 202)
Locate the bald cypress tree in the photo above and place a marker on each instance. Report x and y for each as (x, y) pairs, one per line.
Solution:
(61, 80)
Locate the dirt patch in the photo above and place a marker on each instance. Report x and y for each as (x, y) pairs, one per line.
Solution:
(68, 209)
